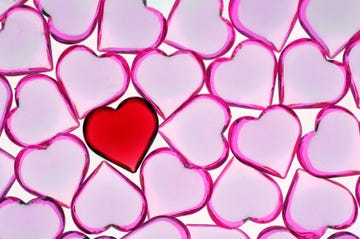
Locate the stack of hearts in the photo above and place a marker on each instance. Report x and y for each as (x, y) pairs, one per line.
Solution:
(129, 137)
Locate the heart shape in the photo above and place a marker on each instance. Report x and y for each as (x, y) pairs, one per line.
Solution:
(242, 193)
(25, 42)
(333, 148)
(210, 37)
(108, 199)
(171, 188)
(42, 112)
(255, 20)
(331, 23)
(70, 21)
(124, 135)
(238, 80)
(269, 142)
(19, 220)
(89, 80)
(343, 235)
(7, 176)
(129, 26)
(276, 232)
(195, 131)
(304, 74)
(63, 161)
(160, 227)
(152, 69)
(6, 96)
(314, 204)
(215, 232)
(352, 61)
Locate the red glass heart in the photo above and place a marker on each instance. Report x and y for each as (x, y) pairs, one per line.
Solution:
(122, 135)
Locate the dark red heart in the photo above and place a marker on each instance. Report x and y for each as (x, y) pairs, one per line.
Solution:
(124, 135)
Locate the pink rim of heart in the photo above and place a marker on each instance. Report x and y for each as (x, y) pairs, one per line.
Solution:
(46, 35)
(56, 208)
(87, 229)
(315, 233)
(247, 32)
(227, 113)
(73, 235)
(12, 179)
(28, 150)
(142, 55)
(358, 191)
(302, 152)
(116, 57)
(343, 234)
(312, 33)
(232, 224)
(267, 232)
(3, 117)
(214, 226)
(230, 40)
(219, 61)
(236, 127)
(19, 86)
(160, 39)
(174, 221)
(205, 175)
(346, 61)
(281, 76)
(17, 3)
(63, 37)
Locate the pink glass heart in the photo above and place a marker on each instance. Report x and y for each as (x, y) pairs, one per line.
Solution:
(63, 162)
(89, 80)
(41, 113)
(171, 187)
(167, 81)
(211, 36)
(195, 131)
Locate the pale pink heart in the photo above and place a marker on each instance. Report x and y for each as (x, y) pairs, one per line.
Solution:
(238, 79)
(24, 42)
(343, 235)
(332, 23)
(307, 79)
(167, 81)
(242, 193)
(351, 59)
(73, 235)
(196, 129)
(7, 175)
(269, 142)
(268, 21)
(41, 113)
(211, 36)
(63, 162)
(7, 4)
(276, 232)
(171, 187)
(214, 232)
(314, 204)
(89, 80)
(333, 148)
(40, 218)
(160, 227)
(129, 26)
(5, 100)
(108, 199)
(70, 21)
